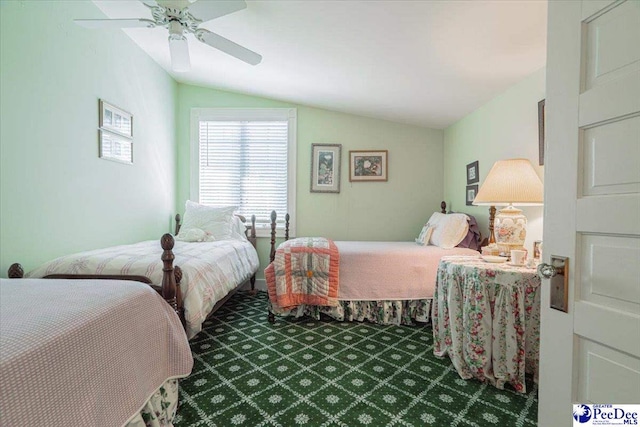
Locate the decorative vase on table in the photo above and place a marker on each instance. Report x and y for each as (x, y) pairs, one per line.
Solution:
(511, 229)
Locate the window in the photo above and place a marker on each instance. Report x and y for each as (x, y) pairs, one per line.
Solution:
(245, 158)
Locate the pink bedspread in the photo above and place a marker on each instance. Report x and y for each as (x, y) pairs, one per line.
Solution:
(84, 352)
(372, 271)
(304, 271)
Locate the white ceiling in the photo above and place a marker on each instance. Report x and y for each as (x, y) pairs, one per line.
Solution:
(427, 63)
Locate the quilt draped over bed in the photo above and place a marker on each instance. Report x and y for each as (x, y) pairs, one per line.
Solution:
(305, 270)
(84, 352)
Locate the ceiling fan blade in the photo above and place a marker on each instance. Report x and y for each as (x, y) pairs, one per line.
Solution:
(179, 50)
(228, 47)
(115, 23)
(205, 10)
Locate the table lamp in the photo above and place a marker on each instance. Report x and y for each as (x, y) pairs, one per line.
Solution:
(509, 182)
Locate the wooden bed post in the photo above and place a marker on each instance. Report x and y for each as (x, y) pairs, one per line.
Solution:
(271, 318)
(286, 227)
(253, 240)
(177, 272)
(443, 207)
(169, 286)
(272, 254)
(15, 271)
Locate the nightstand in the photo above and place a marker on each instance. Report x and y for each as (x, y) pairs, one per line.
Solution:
(486, 318)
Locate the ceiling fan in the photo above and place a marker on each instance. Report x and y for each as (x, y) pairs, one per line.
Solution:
(181, 17)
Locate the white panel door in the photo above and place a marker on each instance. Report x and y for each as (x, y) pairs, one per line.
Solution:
(592, 207)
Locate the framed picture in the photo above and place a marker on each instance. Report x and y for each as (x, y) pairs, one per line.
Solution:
(472, 190)
(541, 132)
(368, 165)
(115, 147)
(473, 175)
(325, 168)
(115, 119)
(537, 249)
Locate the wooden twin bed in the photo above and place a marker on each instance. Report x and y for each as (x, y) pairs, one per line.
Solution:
(208, 275)
(382, 282)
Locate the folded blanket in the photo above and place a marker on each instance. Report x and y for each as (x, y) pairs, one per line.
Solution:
(305, 271)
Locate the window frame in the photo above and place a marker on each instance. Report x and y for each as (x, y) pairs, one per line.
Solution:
(248, 114)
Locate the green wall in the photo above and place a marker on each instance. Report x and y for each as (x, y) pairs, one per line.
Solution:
(506, 127)
(393, 210)
(56, 195)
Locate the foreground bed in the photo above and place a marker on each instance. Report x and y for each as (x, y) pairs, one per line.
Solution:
(88, 353)
(382, 282)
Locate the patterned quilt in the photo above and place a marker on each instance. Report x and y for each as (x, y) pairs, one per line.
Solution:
(210, 269)
(305, 271)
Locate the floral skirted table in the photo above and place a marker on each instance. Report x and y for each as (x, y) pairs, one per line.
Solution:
(486, 318)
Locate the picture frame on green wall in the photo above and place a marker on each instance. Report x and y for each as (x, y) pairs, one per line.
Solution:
(473, 174)
(115, 147)
(115, 119)
(325, 168)
(471, 192)
(368, 165)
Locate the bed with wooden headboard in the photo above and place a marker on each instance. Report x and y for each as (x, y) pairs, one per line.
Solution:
(382, 282)
(209, 272)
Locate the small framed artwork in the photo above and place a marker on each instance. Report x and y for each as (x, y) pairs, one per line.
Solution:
(537, 249)
(325, 168)
(472, 190)
(115, 147)
(541, 132)
(115, 119)
(368, 165)
(473, 174)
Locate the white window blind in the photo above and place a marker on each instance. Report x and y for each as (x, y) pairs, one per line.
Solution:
(245, 163)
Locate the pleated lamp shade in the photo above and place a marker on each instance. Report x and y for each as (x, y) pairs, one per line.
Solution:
(510, 182)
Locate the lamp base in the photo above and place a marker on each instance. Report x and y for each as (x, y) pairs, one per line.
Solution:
(511, 229)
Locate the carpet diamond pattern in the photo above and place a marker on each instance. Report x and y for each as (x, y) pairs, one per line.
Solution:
(327, 373)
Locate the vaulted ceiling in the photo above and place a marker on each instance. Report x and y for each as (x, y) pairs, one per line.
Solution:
(427, 63)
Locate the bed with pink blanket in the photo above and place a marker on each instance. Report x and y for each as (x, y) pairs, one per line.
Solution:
(381, 282)
(88, 353)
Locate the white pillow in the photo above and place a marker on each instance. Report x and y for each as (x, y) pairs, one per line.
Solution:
(215, 222)
(239, 228)
(194, 235)
(449, 230)
(425, 235)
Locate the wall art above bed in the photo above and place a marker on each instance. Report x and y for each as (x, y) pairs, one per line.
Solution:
(472, 190)
(473, 175)
(325, 168)
(115, 133)
(368, 165)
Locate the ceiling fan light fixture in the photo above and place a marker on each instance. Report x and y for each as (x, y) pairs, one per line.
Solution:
(179, 50)
(177, 17)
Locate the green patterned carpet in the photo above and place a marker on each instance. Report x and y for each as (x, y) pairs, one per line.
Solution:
(250, 373)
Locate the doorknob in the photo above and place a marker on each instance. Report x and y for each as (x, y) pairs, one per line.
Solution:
(558, 273)
(547, 271)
